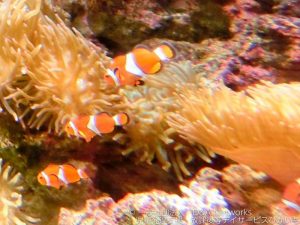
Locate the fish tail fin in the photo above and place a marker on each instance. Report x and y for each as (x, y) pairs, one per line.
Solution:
(82, 174)
(165, 51)
(121, 119)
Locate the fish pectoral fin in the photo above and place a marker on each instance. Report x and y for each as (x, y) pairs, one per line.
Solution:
(54, 181)
(86, 137)
(51, 165)
(69, 166)
(103, 113)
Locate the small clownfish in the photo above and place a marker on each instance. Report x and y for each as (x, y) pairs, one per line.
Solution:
(60, 175)
(88, 127)
(291, 198)
(130, 68)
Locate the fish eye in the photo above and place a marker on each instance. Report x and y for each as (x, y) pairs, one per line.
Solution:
(139, 83)
(41, 178)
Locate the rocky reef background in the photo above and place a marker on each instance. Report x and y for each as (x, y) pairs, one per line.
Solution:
(145, 173)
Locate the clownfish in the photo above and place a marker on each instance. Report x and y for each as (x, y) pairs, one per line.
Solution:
(89, 126)
(60, 175)
(291, 197)
(130, 68)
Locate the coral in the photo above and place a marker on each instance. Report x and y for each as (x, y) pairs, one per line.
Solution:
(289, 8)
(263, 40)
(212, 196)
(200, 202)
(122, 24)
(12, 205)
(263, 46)
(258, 127)
(196, 206)
(93, 213)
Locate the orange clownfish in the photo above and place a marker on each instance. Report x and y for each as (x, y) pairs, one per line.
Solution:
(89, 126)
(291, 197)
(130, 68)
(60, 175)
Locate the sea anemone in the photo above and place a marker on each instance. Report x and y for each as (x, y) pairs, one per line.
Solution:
(259, 127)
(49, 72)
(65, 77)
(151, 136)
(11, 207)
(18, 21)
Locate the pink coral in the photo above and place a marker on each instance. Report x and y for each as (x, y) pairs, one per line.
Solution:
(263, 46)
(205, 199)
(200, 202)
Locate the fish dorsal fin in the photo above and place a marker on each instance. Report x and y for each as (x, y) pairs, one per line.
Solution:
(51, 169)
(118, 61)
(103, 113)
(69, 166)
(52, 165)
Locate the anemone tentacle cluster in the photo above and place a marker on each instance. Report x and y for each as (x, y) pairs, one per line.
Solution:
(17, 22)
(50, 73)
(11, 212)
(151, 136)
(259, 127)
(66, 76)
